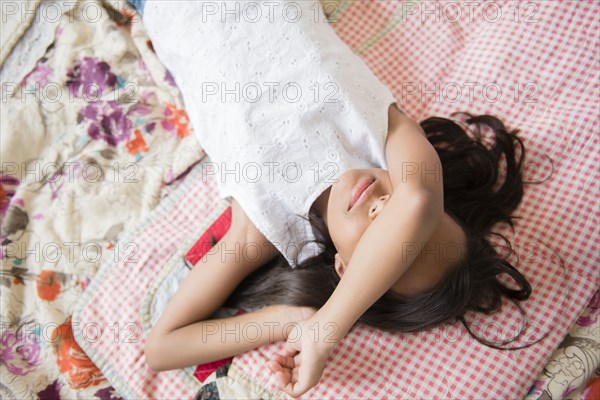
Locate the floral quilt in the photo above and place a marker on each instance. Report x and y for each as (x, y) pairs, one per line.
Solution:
(93, 138)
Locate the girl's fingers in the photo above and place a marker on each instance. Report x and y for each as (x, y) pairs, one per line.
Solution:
(275, 366)
(297, 388)
(287, 362)
(283, 379)
(290, 389)
(289, 349)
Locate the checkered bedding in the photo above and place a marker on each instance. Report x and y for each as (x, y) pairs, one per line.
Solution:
(534, 65)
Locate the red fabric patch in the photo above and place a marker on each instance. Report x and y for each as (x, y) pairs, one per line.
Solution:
(210, 237)
(204, 370)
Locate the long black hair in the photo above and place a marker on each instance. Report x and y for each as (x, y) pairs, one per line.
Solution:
(483, 185)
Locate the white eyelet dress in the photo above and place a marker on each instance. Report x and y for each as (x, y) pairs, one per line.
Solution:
(281, 105)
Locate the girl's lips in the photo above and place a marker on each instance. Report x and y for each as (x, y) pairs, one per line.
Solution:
(358, 190)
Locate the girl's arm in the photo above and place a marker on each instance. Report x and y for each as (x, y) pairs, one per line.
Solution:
(178, 339)
(385, 251)
(211, 340)
(395, 238)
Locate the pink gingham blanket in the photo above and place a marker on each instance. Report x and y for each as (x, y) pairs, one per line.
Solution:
(534, 65)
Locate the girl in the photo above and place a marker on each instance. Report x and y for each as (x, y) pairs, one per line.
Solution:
(343, 208)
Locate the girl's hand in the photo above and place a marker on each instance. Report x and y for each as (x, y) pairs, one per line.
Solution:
(301, 365)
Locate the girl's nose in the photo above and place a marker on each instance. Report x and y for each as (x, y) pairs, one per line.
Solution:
(377, 206)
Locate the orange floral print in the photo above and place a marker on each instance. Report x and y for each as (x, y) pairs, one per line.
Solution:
(137, 145)
(48, 285)
(177, 118)
(80, 371)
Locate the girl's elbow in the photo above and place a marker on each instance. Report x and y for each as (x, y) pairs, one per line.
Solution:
(432, 201)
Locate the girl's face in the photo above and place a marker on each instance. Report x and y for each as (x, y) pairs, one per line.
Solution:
(347, 225)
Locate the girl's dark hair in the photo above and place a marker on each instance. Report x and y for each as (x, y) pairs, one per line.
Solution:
(482, 186)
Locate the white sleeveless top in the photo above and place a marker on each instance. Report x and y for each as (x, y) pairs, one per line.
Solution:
(281, 105)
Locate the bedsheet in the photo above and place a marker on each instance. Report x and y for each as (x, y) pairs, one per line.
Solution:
(547, 63)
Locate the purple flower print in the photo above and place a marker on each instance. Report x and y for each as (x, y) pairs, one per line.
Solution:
(91, 74)
(108, 122)
(585, 320)
(19, 353)
(108, 393)
(52, 391)
(169, 78)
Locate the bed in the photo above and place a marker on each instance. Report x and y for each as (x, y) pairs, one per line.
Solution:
(106, 204)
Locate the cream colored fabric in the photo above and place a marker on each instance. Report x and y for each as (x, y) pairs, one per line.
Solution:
(59, 225)
(15, 18)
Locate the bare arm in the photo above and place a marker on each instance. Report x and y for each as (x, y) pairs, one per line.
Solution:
(181, 337)
(394, 239)
(211, 340)
(386, 250)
